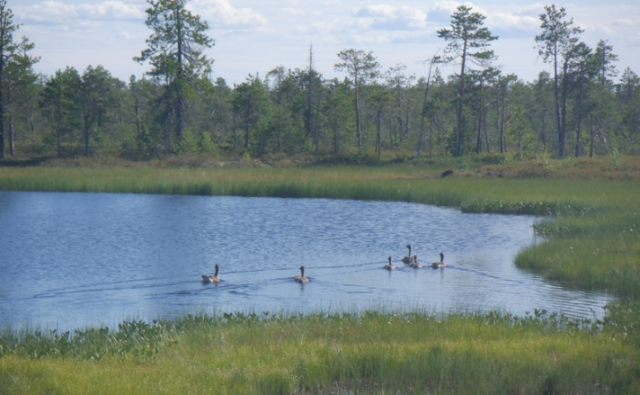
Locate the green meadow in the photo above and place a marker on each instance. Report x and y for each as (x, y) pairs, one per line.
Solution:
(371, 353)
(591, 243)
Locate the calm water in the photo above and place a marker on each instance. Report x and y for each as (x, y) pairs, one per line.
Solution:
(70, 260)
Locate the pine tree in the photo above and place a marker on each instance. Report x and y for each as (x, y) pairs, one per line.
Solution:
(361, 67)
(467, 42)
(556, 45)
(176, 51)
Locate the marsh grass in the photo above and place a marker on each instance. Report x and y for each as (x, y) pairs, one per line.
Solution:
(368, 353)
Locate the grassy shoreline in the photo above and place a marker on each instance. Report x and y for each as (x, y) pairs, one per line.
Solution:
(371, 353)
(593, 243)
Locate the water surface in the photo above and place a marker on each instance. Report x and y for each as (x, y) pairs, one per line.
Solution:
(70, 260)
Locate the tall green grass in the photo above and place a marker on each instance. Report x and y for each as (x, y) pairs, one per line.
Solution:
(370, 353)
(400, 183)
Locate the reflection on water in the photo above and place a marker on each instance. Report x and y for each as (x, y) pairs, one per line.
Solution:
(73, 260)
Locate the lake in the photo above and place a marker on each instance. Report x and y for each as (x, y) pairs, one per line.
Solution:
(72, 260)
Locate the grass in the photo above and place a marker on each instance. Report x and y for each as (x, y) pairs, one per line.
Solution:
(371, 353)
(591, 243)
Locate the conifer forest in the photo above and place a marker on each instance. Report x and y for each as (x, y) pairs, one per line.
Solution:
(579, 105)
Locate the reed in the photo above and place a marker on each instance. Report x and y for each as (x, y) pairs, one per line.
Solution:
(369, 353)
(405, 183)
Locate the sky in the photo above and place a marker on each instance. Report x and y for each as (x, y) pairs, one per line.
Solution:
(256, 36)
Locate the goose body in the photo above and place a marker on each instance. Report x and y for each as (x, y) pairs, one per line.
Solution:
(301, 278)
(408, 259)
(439, 265)
(389, 266)
(212, 279)
(414, 262)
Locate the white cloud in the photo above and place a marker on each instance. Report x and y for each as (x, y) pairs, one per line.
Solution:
(294, 12)
(626, 22)
(256, 35)
(512, 21)
(440, 13)
(388, 17)
(505, 20)
(218, 12)
(221, 12)
(59, 12)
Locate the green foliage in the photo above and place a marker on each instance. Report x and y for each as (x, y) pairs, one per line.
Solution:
(615, 158)
(467, 43)
(176, 54)
(135, 339)
(622, 321)
(362, 67)
(205, 144)
(61, 99)
(177, 29)
(188, 144)
(371, 352)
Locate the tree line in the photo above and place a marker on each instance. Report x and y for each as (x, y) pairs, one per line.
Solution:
(576, 109)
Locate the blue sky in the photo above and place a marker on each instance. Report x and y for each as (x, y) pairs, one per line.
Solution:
(255, 36)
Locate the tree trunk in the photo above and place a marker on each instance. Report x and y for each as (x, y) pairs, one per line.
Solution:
(479, 132)
(86, 127)
(336, 125)
(59, 137)
(12, 145)
(557, 99)
(591, 137)
(307, 113)
(577, 151)
(458, 148)
(136, 108)
(179, 80)
(424, 109)
(543, 133)
(359, 134)
(486, 134)
(562, 134)
(378, 137)
(2, 148)
(503, 140)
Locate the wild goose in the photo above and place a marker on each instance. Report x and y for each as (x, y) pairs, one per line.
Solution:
(408, 259)
(440, 264)
(414, 262)
(301, 278)
(389, 266)
(212, 279)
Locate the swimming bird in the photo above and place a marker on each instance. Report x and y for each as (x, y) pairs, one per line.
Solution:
(389, 266)
(414, 262)
(408, 259)
(440, 264)
(301, 278)
(212, 279)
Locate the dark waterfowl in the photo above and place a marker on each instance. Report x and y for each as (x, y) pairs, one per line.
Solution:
(389, 266)
(301, 278)
(439, 265)
(212, 279)
(414, 262)
(408, 259)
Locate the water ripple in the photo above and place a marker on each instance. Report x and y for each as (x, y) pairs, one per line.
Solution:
(73, 259)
